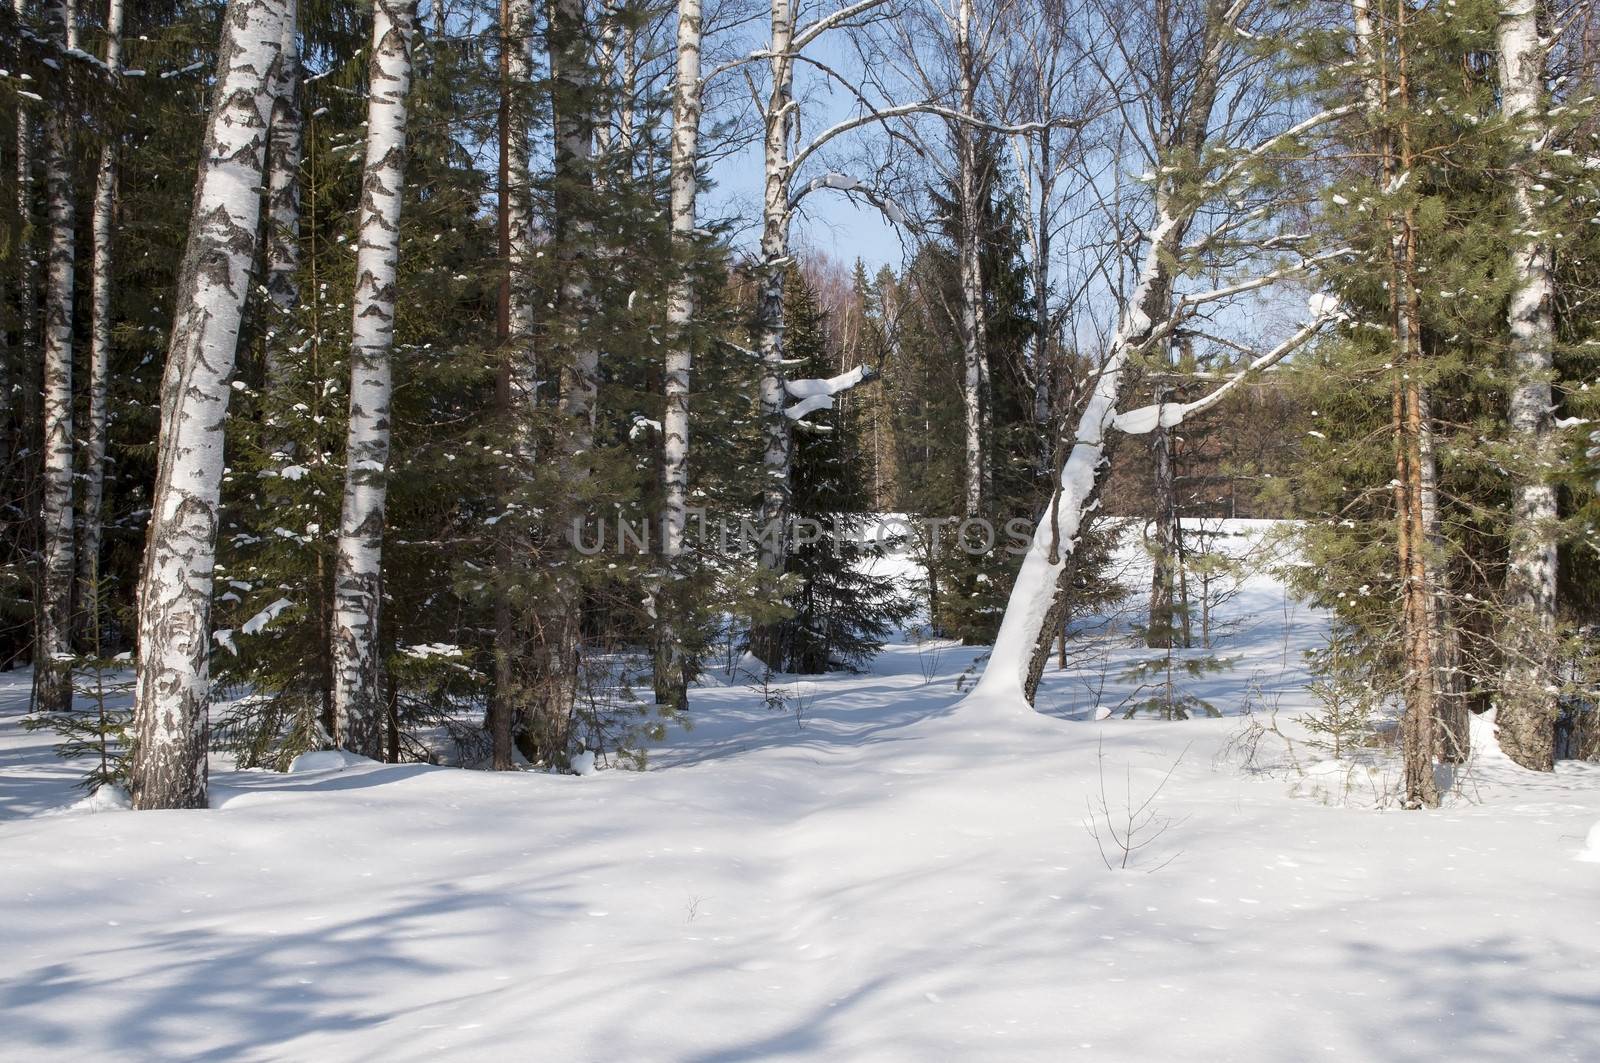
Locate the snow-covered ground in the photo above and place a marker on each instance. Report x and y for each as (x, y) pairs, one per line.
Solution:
(877, 871)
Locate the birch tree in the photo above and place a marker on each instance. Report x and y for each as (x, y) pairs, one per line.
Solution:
(671, 681)
(358, 564)
(105, 194)
(285, 149)
(974, 353)
(1527, 706)
(53, 638)
(783, 193)
(1194, 168)
(29, 323)
(168, 763)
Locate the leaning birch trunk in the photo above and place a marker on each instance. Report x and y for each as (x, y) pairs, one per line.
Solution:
(777, 447)
(358, 704)
(285, 148)
(168, 767)
(53, 610)
(1055, 539)
(1527, 705)
(548, 734)
(975, 362)
(94, 478)
(1048, 603)
(671, 682)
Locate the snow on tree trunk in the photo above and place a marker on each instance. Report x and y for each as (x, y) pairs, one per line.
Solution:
(671, 685)
(1527, 706)
(53, 611)
(168, 768)
(285, 147)
(105, 192)
(358, 703)
(1055, 538)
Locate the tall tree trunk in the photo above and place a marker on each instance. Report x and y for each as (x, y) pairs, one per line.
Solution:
(974, 357)
(358, 568)
(285, 152)
(777, 451)
(28, 347)
(168, 768)
(1527, 709)
(549, 733)
(53, 610)
(94, 478)
(1043, 376)
(1419, 541)
(671, 681)
(1421, 726)
(516, 387)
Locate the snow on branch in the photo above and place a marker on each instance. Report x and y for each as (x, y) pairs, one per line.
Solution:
(829, 21)
(883, 114)
(817, 393)
(843, 182)
(1147, 419)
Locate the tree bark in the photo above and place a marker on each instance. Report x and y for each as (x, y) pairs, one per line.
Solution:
(974, 356)
(285, 152)
(777, 451)
(1527, 708)
(28, 347)
(168, 767)
(358, 567)
(671, 680)
(105, 193)
(548, 734)
(516, 387)
(53, 610)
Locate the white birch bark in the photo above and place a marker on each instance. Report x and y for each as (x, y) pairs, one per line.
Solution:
(1527, 710)
(1036, 595)
(524, 364)
(53, 611)
(358, 565)
(670, 684)
(285, 149)
(974, 357)
(173, 692)
(94, 478)
(27, 263)
(1055, 537)
(775, 216)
